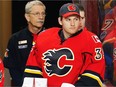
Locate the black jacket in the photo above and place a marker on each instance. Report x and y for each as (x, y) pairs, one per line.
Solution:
(16, 55)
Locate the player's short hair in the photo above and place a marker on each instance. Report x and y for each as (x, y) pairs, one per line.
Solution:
(81, 8)
(30, 4)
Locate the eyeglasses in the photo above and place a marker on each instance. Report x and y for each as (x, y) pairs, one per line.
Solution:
(38, 14)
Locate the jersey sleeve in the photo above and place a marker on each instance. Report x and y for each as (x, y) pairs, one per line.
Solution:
(92, 73)
(10, 54)
(33, 67)
(1, 74)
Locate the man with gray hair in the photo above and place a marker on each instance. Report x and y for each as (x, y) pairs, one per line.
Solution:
(20, 43)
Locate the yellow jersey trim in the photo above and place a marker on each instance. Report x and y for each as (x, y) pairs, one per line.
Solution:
(33, 71)
(94, 77)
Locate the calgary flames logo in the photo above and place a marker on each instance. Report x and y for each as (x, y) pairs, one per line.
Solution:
(53, 61)
(71, 7)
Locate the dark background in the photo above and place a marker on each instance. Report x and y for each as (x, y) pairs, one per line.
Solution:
(52, 10)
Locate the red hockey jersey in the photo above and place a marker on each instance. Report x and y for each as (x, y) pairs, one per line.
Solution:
(109, 24)
(78, 59)
(108, 36)
(1, 74)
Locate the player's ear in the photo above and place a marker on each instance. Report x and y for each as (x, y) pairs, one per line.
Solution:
(27, 17)
(60, 20)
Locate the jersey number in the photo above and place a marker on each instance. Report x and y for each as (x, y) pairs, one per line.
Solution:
(98, 55)
(108, 23)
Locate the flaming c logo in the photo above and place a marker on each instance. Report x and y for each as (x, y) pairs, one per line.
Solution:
(52, 61)
(71, 8)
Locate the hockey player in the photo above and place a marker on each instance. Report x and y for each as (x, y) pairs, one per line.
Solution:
(108, 36)
(67, 56)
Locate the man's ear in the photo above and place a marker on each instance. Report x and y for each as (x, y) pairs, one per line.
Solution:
(60, 20)
(27, 17)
